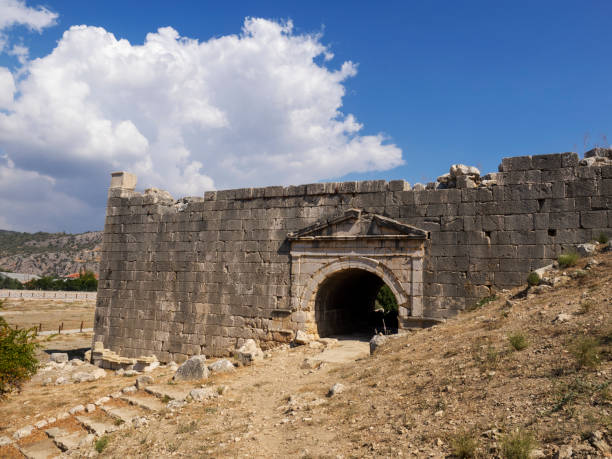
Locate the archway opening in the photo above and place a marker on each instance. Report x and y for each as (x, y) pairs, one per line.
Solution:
(355, 301)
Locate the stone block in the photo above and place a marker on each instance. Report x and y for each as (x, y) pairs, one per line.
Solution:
(517, 163)
(594, 219)
(546, 162)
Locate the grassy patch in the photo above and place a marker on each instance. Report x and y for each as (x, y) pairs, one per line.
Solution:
(518, 445)
(482, 302)
(166, 398)
(486, 357)
(463, 445)
(603, 238)
(187, 428)
(568, 259)
(586, 306)
(585, 350)
(533, 279)
(101, 443)
(518, 341)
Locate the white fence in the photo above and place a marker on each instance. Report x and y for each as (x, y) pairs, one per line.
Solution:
(47, 295)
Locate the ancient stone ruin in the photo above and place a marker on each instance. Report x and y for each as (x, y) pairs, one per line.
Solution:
(201, 275)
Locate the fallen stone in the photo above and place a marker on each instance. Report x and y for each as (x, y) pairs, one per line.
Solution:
(174, 405)
(129, 373)
(98, 373)
(83, 377)
(221, 366)
(47, 381)
(316, 345)
(376, 342)
(59, 357)
(335, 389)
(173, 366)
(562, 318)
(76, 362)
(204, 393)
(61, 380)
(87, 356)
(51, 420)
(143, 381)
(62, 416)
(140, 422)
(584, 250)
(102, 401)
(248, 353)
(5, 441)
(129, 389)
(301, 338)
(23, 432)
(76, 409)
(90, 407)
(150, 367)
(193, 369)
(41, 424)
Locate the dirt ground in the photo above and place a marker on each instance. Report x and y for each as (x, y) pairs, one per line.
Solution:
(48, 314)
(416, 396)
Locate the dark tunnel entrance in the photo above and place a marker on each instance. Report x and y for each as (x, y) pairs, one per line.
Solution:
(349, 302)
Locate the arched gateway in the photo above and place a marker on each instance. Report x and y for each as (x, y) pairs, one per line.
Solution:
(338, 266)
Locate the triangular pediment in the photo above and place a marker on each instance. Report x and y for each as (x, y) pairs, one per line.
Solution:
(355, 223)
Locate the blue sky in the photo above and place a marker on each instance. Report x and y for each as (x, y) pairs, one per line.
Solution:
(444, 82)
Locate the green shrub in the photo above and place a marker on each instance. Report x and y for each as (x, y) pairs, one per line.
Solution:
(101, 443)
(482, 302)
(518, 341)
(533, 279)
(518, 445)
(586, 352)
(568, 259)
(18, 361)
(463, 445)
(603, 238)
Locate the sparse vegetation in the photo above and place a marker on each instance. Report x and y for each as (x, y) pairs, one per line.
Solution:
(586, 306)
(518, 445)
(17, 356)
(187, 428)
(533, 279)
(518, 341)
(482, 302)
(603, 238)
(101, 443)
(585, 350)
(568, 259)
(463, 445)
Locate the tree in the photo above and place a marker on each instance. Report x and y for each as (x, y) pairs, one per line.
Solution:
(18, 361)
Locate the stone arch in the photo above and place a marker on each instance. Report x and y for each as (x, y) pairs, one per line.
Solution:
(307, 301)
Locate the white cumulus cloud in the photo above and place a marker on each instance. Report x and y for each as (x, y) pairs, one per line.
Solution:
(15, 12)
(251, 109)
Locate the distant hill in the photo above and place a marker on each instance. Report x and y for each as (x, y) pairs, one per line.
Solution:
(49, 253)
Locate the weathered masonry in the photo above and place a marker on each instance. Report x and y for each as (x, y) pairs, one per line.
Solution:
(202, 274)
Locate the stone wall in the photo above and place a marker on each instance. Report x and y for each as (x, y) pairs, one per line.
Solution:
(201, 275)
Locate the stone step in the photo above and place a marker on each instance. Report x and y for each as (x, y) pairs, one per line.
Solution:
(125, 413)
(95, 426)
(73, 440)
(42, 449)
(171, 392)
(148, 403)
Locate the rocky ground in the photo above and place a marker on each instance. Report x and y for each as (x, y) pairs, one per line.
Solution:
(535, 363)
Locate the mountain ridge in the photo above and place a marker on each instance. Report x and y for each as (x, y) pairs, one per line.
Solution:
(44, 253)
